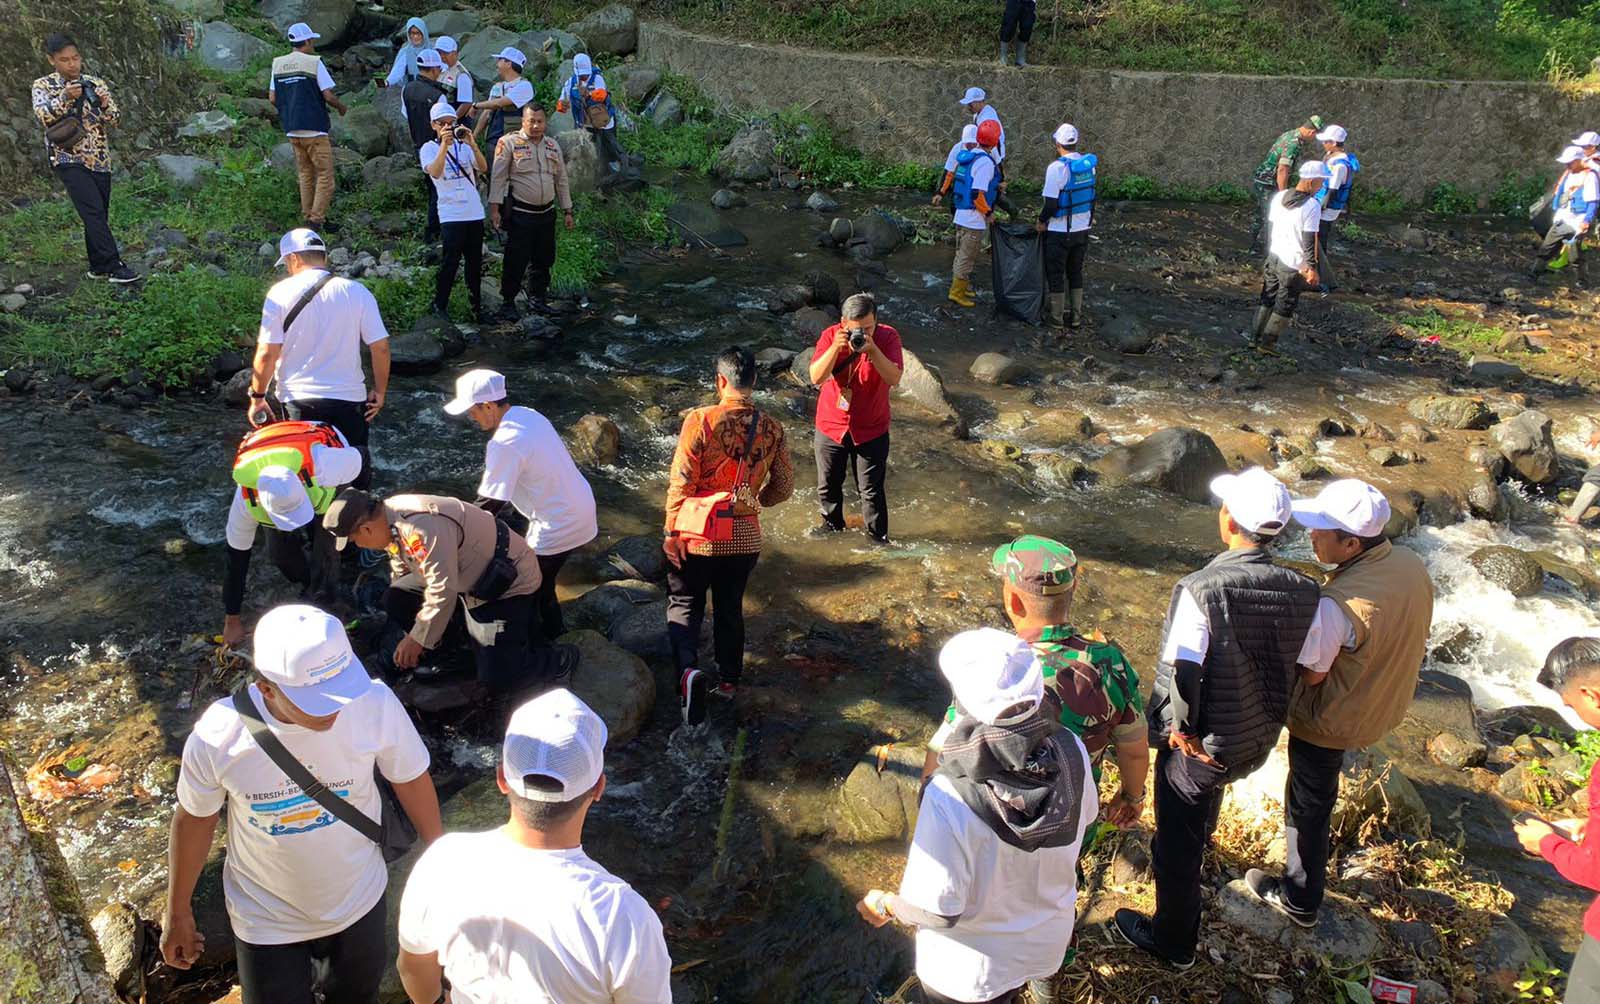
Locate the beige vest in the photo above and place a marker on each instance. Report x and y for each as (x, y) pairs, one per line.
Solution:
(296, 64)
(1388, 597)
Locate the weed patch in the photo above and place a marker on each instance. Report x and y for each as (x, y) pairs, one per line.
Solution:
(1453, 332)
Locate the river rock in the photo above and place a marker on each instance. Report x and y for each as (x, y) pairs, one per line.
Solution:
(1181, 461)
(1443, 703)
(1375, 795)
(1058, 427)
(121, 937)
(582, 158)
(363, 129)
(1501, 956)
(840, 230)
(225, 48)
(595, 441)
(1127, 334)
(638, 558)
(12, 302)
(1418, 937)
(207, 123)
(997, 368)
(1344, 934)
(615, 683)
(183, 171)
(1527, 445)
(416, 352)
(699, 225)
(809, 323)
(396, 171)
(605, 604)
(727, 198)
(1513, 570)
(458, 24)
(774, 360)
(1485, 500)
(1487, 370)
(611, 30)
(637, 83)
(879, 797)
(236, 392)
(1505, 724)
(821, 202)
(1534, 784)
(642, 630)
(225, 364)
(924, 387)
(1451, 412)
(332, 19)
(478, 53)
(821, 290)
(664, 110)
(749, 156)
(1457, 754)
(877, 233)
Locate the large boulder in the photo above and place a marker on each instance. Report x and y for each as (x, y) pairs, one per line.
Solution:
(595, 441)
(636, 83)
(211, 122)
(879, 798)
(332, 19)
(637, 558)
(183, 171)
(416, 352)
(224, 48)
(997, 368)
(642, 630)
(582, 159)
(363, 129)
(698, 225)
(1527, 445)
(1501, 956)
(604, 605)
(1447, 412)
(1374, 797)
(924, 387)
(396, 171)
(456, 23)
(750, 155)
(477, 54)
(877, 233)
(1345, 935)
(664, 110)
(1180, 461)
(611, 30)
(1516, 571)
(615, 683)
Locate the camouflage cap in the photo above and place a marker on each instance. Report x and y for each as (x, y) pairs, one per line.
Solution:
(1037, 565)
(1315, 122)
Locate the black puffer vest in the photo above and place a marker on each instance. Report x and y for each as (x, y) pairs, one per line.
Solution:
(1259, 616)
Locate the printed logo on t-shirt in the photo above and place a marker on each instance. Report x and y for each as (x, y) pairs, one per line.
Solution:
(288, 810)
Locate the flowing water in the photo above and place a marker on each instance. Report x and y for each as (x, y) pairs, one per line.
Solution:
(110, 560)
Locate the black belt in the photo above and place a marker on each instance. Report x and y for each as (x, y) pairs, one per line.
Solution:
(523, 207)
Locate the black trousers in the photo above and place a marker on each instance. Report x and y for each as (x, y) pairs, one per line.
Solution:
(551, 626)
(346, 967)
(349, 417)
(1188, 800)
(1281, 287)
(1327, 233)
(431, 233)
(530, 252)
(1063, 259)
(1308, 809)
(870, 462)
(90, 192)
(307, 557)
(461, 240)
(1018, 21)
(1263, 192)
(725, 578)
(501, 633)
(609, 149)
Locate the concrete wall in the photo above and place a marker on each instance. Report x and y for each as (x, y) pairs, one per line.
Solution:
(1193, 129)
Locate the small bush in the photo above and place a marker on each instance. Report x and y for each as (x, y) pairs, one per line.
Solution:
(1377, 202)
(1516, 193)
(809, 145)
(1449, 200)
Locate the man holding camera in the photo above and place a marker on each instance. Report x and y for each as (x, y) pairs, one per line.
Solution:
(76, 110)
(855, 363)
(453, 164)
(527, 182)
(419, 97)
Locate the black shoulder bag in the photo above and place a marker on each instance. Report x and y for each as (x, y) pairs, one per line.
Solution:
(394, 836)
(66, 132)
(305, 300)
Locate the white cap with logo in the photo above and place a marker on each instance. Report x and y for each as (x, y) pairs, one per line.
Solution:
(442, 110)
(1333, 134)
(991, 672)
(444, 43)
(301, 32)
(1350, 505)
(512, 54)
(284, 498)
(298, 240)
(429, 58)
(1570, 154)
(555, 748)
(582, 65)
(1256, 500)
(1066, 134)
(304, 653)
(969, 134)
(1314, 170)
(332, 466)
(476, 387)
(973, 94)
(1590, 138)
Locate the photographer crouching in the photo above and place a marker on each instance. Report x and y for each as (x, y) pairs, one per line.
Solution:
(453, 163)
(855, 364)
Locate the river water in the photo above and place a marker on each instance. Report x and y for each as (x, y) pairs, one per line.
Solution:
(111, 526)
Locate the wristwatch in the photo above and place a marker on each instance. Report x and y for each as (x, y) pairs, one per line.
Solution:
(258, 395)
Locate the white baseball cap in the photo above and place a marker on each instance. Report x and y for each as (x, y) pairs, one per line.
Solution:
(284, 498)
(442, 110)
(1333, 134)
(969, 134)
(973, 94)
(1590, 138)
(582, 65)
(332, 466)
(1066, 134)
(303, 652)
(429, 58)
(476, 387)
(1570, 154)
(1314, 169)
(512, 54)
(1255, 499)
(1349, 505)
(557, 739)
(991, 671)
(298, 240)
(301, 32)
(444, 43)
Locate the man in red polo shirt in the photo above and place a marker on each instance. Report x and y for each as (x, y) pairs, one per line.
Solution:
(855, 363)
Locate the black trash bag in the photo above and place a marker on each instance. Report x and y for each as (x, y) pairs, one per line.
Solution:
(1018, 260)
(1542, 214)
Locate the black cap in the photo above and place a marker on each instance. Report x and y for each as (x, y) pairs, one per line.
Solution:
(348, 510)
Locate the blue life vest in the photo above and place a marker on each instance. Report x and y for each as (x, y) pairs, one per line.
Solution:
(580, 102)
(1574, 203)
(1338, 198)
(1078, 192)
(961, 185)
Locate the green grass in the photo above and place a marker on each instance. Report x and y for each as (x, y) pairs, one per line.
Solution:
(1138, 187)
(1449, 200)
(1458, 333)
(1587, 746)
(808, 145)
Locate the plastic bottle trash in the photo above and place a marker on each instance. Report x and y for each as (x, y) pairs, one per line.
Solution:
(626, 320)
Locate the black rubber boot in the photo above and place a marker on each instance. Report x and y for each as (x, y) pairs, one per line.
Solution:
(1267, 341)
(1259, 324)
(1075, 310)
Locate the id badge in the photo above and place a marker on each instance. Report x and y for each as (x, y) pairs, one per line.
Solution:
(844, 403)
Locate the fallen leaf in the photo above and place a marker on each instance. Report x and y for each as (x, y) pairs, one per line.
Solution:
(127, 866)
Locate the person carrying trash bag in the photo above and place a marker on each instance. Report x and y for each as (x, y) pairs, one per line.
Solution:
(974, 186)
(1574, 201)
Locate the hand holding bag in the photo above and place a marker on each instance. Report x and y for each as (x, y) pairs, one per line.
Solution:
(709, 518)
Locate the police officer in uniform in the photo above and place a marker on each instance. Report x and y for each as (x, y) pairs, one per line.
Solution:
(441, 551)
(528, 179)
(287, 473)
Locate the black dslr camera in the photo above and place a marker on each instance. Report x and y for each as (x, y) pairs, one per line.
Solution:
(858, 339)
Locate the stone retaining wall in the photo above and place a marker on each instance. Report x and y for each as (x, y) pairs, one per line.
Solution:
(1179, 128)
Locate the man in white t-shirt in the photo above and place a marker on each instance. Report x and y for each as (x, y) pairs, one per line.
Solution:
(529, 478)
(992, 895)
(1577, 196)
(1335, 198)
(974, 186)
(313, 325)
(304, 889)
(453, 163)
(455, 78)
(1293, 218)
(520, 914)
(500, 112)
(976, 101)
(1064, 219)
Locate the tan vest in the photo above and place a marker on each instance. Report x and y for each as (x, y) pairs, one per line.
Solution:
(1388, 597)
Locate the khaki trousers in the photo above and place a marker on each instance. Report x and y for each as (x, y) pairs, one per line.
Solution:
(313, 155)
(968, 244)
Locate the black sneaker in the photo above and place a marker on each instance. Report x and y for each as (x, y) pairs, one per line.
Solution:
(325, 227)
(726, 691)
(1136, 929)
(1269, 890)
(122, 275)
(507, 314)
(692, 688)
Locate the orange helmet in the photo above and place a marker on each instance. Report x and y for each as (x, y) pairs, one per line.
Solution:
(989, 133)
